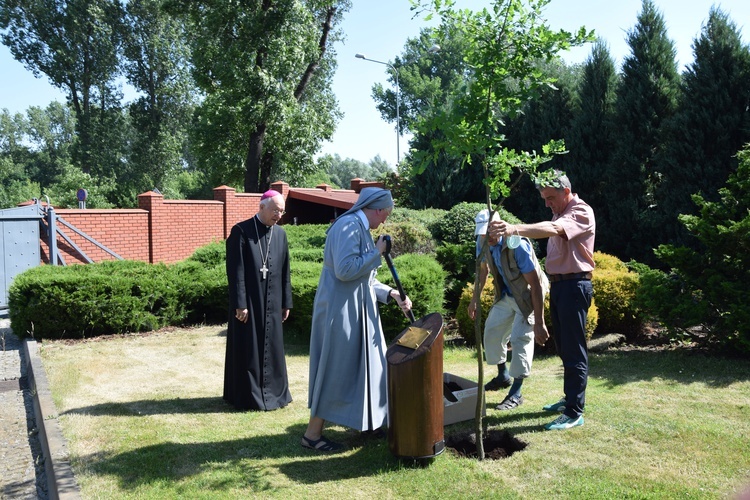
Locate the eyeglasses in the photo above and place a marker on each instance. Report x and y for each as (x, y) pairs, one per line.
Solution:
(278, 212)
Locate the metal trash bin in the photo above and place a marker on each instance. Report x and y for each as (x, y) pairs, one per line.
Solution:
(415, 390)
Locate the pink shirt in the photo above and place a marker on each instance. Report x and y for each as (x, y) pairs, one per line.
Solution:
(573, 252)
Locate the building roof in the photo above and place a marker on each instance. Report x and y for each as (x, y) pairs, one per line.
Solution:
(324, 194)
(339, 198)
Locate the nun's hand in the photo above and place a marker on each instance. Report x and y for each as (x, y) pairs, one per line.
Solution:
(381, 245)
(405, 304)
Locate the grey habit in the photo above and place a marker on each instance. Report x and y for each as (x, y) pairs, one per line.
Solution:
(347, 347)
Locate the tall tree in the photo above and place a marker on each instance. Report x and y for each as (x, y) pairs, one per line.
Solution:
(548, 115)
(76, 44)
(593, 135)
(428, 84)
(51, 136)
(343, 170)
(712, 277)
(711, 124)
(646, 97)
(265, 68)
(156, 64)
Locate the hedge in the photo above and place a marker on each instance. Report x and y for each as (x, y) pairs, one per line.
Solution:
(81, 301)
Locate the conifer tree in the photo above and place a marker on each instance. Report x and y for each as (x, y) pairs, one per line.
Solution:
(549, 115)
(711, 124)
(592, 139)
(646, 97)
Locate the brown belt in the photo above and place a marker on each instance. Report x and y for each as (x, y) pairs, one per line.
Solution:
(571, 276)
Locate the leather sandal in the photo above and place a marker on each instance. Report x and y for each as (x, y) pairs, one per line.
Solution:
(322, 444)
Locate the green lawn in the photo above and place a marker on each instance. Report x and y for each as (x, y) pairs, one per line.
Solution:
(144, 418)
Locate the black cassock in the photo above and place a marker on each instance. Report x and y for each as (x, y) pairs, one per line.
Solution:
(255, 376)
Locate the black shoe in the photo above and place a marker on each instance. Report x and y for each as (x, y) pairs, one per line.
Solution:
(497, 383)
(510, 402)
(376, 434)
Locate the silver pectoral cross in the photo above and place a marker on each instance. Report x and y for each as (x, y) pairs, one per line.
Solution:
(264, 270)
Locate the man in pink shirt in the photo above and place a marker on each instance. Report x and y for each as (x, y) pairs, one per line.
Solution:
(569, 264)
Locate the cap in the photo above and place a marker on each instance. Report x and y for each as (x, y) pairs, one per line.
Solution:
(482, 219)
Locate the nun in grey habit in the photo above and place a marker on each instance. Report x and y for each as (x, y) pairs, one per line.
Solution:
(347, 347)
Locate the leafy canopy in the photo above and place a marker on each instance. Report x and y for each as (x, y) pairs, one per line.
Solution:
(504, 46)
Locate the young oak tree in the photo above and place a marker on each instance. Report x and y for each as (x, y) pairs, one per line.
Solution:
(505, 46)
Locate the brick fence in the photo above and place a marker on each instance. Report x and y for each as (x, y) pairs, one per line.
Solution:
(158, 230)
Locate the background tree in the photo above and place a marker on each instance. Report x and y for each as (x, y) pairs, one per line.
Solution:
(342, 171)
(76, 44)
(646, 97)
(156, 64)
(711, 123)
(15, 185)
(50, 136)
(548, 115)
(265, 69)
(428, 83)
(593, 136)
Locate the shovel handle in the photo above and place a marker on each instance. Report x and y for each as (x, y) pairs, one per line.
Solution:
(388, 261)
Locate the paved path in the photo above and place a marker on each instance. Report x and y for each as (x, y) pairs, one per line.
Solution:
(20, 449)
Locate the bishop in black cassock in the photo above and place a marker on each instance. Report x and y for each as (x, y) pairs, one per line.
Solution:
(260, 297)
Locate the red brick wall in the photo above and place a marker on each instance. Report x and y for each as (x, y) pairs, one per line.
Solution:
(159, 230)
(125, 232)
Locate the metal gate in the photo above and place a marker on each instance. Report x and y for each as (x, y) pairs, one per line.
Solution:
(19, 244)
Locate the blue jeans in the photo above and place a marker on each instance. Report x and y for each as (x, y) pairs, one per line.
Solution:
(569, 305)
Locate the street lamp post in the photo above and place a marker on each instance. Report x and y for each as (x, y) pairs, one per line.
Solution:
(432, 50)
(398, 104)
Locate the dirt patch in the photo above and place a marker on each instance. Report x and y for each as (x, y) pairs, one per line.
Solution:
(497, 444)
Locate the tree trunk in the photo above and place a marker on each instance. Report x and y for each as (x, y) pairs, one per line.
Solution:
(253, 159)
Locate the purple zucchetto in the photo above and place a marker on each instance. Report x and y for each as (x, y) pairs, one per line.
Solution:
(269, 194)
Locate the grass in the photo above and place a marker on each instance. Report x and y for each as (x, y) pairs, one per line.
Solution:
(144, 418)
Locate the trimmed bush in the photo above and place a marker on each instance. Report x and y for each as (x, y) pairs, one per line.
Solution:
(615, 288)
(423, 281)
(305, 278)
(407, 238)
(427, 218)
(306, 236)
(306, 255)
(457, 250)
(457, 226)
(94, 299)
(212, 255)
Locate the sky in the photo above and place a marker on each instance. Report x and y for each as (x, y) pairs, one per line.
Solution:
(379, 30)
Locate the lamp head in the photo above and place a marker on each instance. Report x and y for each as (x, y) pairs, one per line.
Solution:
(434, 49)
(360, 56)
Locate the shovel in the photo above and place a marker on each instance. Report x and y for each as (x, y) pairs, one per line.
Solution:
(388, 261)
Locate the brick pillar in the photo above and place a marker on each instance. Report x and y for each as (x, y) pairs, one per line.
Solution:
(227, 195)
(282, 187)
(153, 203)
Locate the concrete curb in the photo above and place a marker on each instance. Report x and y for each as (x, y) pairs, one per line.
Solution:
(61, 483)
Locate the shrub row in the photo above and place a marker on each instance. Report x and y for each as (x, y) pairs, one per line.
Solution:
(81, 301)
(113, 297)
